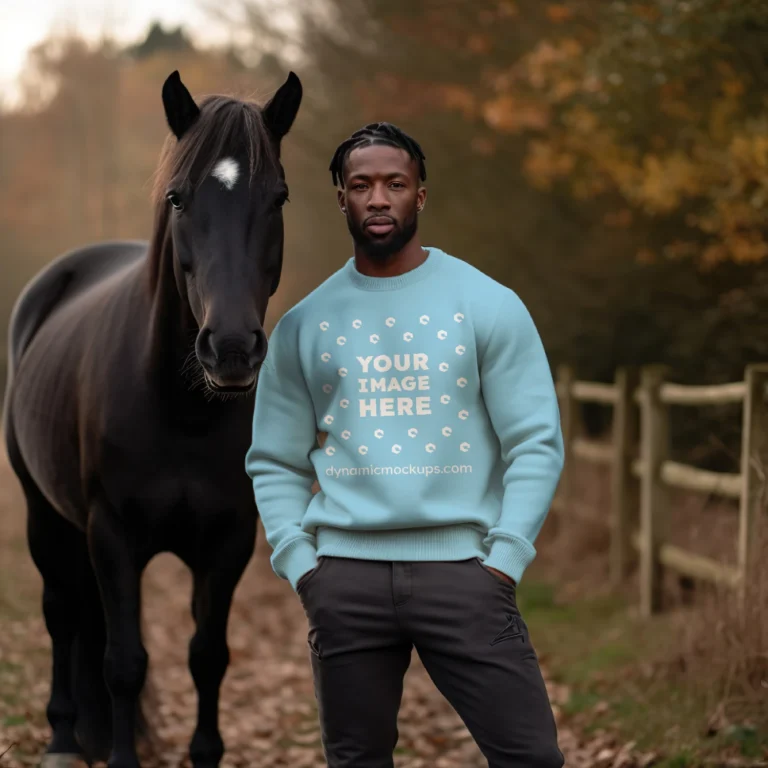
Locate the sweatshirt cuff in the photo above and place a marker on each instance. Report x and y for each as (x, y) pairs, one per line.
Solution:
(511, 556)
(295, 559)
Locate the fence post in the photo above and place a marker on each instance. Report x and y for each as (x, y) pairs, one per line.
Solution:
(754, 466)
(624, 486)
(568, 424)
(654, 447)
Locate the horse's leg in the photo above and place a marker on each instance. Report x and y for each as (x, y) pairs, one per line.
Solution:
(118, 570)
(59, 551)
(215, 579)
(92, 699)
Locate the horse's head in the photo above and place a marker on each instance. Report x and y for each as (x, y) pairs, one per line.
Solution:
(224, 189)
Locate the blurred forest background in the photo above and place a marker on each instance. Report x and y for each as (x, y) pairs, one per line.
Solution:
(606, 160)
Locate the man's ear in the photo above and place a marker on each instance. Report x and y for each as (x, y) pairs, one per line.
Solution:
(341, 197)
(421, 199)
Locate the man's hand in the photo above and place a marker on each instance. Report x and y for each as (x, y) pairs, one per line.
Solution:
(502, 575)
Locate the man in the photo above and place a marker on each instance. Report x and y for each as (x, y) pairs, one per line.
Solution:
(441, 456)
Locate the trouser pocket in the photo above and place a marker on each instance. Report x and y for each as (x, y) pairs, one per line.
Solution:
(309, 576)
(494, 578)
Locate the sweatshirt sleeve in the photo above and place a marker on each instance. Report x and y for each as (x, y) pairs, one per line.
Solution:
(284, 434)
(520, 396)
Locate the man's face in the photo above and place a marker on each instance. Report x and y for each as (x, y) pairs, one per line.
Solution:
(381, 199)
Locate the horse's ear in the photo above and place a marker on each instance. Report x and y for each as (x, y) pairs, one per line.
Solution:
(280, 111)
(180, 108)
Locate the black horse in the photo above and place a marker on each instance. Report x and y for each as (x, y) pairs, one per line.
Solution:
(128, 415)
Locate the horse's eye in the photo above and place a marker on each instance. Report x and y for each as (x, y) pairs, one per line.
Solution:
(175, 200)
(282, 200)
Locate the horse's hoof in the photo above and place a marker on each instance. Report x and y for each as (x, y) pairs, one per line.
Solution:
(62, 760)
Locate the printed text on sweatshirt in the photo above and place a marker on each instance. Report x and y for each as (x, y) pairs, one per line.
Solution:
(443, 437)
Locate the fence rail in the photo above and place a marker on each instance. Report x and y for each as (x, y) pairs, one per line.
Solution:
(642, 473)
(677, 394)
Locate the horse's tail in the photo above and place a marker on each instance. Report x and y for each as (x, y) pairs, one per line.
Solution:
(93, 703)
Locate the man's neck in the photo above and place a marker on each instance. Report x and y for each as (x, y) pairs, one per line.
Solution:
(410, 257)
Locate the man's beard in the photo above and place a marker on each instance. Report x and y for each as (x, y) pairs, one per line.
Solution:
(380, 249)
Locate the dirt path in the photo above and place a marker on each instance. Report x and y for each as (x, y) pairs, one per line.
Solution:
(267, 711)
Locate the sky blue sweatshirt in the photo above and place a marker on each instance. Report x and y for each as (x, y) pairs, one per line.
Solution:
(442, 426)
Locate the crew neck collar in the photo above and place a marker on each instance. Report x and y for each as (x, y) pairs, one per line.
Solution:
(415, 275)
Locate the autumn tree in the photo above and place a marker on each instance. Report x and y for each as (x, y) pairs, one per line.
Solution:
(594, 184)
(666, 105)
(661, 103)
(372, 60)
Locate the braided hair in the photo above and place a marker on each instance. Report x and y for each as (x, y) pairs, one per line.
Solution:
(376, 133)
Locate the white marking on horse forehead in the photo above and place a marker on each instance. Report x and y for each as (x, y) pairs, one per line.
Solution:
(226, 171)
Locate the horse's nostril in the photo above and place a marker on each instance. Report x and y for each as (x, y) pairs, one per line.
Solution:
(259, 348)
(205, 348)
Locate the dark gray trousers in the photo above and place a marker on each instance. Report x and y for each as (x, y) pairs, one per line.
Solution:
(365, 617)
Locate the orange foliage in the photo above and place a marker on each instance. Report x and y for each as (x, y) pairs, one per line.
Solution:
(506, 9)
(545, 164)
(559, 13)
(457, 97)
(479, 44)
(722, 167)
(701, 161)
(511, 115)
(648, 11)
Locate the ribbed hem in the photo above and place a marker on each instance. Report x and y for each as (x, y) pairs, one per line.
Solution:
(454, 542)
(416, 275)
(295, 559)
(511, 556)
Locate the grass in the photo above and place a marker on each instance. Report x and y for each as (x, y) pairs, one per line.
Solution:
(613, 665)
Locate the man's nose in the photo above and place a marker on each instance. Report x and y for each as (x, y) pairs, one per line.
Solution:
(379, 200)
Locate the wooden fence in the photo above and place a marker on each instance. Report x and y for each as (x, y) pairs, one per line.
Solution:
(641, 472)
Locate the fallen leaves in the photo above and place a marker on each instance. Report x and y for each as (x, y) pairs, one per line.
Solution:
(268, 711)
(603, 751)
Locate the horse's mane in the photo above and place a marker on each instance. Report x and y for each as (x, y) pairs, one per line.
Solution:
(225, 126)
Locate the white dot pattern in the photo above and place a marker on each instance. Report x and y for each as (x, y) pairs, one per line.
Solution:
(408, 337)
